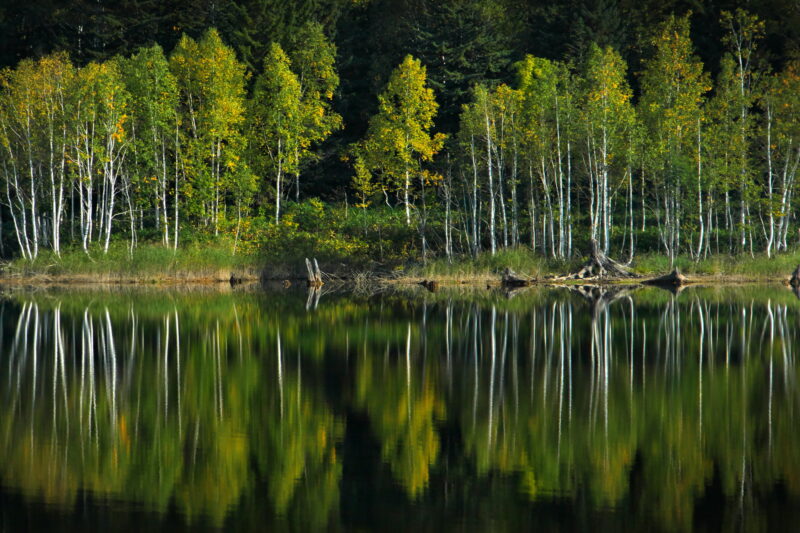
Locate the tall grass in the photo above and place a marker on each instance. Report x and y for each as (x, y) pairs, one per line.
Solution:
(757, 267)
(215, 258)
(526, 262)
(520, 260)
(148, 260)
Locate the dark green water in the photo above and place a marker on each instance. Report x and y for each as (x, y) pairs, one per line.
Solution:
(255, 410)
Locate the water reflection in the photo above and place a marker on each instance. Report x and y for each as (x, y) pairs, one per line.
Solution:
(639, 403)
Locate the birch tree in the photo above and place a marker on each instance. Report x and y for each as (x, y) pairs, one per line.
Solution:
(313, 60)
(211, 82)
(744, 31)
(154, 108)
(780, 104)
(607, 117)
(399, 140)
(103, 134)
(34, 121)
(276, 127)
(673, 84)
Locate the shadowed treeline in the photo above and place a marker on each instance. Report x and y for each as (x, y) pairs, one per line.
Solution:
(636, 408)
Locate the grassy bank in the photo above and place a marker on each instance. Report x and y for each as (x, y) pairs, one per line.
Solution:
(196, 262)
(214, 261)
(721, 268)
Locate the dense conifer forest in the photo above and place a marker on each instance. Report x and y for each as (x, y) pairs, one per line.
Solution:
(394, 130)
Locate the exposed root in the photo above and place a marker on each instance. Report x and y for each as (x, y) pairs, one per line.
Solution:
(599, 267)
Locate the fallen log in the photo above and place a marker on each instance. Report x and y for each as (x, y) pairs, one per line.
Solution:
(510, 279)
(673, 279)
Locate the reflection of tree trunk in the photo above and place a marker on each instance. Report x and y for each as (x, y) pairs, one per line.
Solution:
(408, 371)
(178, 365)
(491, 376)
(312, 301)
(700, 369)
(280, 373)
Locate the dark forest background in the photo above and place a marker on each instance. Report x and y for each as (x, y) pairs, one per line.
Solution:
(461, 42)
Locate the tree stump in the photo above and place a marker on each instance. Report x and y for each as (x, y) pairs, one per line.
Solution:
(431, 285)
(674, 278)
(314, 274)
(794, 281)
(599, 266)
(512, 280)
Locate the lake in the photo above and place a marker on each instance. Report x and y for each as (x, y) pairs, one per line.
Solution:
(554, 409)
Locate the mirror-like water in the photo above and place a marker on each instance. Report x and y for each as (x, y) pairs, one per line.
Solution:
(606, 409)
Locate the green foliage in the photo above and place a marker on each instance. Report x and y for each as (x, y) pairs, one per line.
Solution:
(212, 84)
(167, 150)
(399, 140)
(276, 121)
(313, 60)
(150, 262)
(219, 408)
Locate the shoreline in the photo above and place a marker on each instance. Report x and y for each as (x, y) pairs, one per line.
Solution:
(251, 276)
(214, 264)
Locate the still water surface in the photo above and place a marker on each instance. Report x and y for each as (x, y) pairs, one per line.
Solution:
(261, 410)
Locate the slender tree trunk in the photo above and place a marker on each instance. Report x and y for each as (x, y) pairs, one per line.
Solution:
(492, 234)
(700, 190)
(278, 184)
(630, 215)
(475, 199)
(569, 200)
(770, 178)
(178, 157)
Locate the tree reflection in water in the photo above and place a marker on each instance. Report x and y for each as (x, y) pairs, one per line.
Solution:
(640, 402)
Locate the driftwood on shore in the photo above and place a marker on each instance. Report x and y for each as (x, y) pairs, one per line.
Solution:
(314, 274)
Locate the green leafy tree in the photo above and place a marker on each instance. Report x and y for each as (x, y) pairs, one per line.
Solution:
(744, 31)
(276, 127)
(608, 117)
(100, 144)
(673, 84)
(780, 131)
(545, 105)
(313, 60)
(154, 106)
(35, 128)
(213, 107)
(398, 140)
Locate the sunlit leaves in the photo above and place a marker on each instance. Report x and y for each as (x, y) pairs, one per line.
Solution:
(399, 140)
